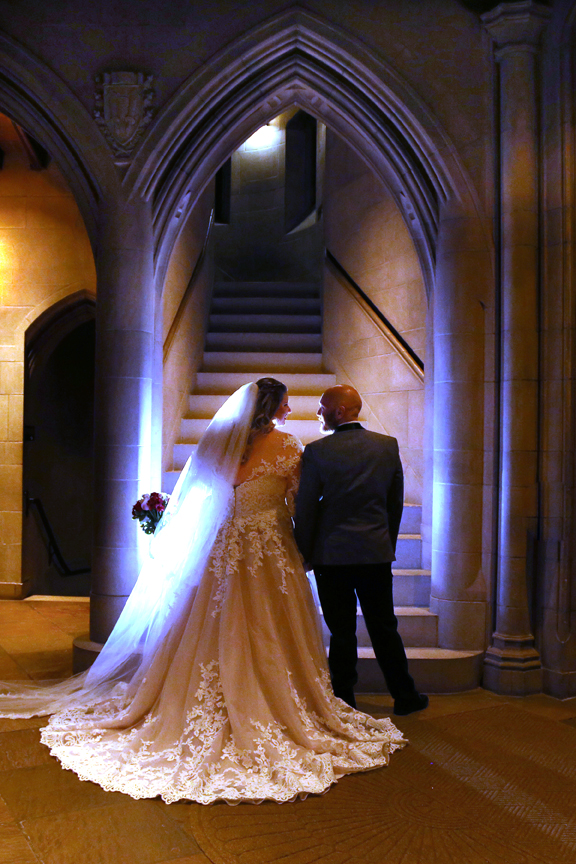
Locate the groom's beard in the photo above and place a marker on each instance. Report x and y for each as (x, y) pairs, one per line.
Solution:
(328, 423)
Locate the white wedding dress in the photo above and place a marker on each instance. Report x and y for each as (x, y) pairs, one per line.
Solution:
(235, 703)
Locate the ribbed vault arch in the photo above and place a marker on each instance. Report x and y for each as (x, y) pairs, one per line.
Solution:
(297, 58)
(38, 100)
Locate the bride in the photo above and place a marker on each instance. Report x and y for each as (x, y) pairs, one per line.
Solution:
(214, 683)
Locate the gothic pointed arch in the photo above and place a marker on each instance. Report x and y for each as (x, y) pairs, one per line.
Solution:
(298, 58)
(37, 99)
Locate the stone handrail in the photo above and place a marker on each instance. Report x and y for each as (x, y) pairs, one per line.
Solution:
(398, 343)
(184, 301)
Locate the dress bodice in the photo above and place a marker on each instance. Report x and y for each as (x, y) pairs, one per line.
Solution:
(272, 484)
(260, 494)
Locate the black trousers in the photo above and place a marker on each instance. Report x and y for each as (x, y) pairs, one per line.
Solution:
(338, 588)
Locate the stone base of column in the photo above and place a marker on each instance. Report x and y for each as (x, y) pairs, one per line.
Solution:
(84, 653)
(561, 685)
(512, 666)
(105, 609)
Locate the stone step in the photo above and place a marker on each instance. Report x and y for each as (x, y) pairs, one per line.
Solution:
(264, 323)
(435, 670)
(305, 430)
(417, 626)
(409, 552)
(270, 305)
(249, 361)
(411, 587)
(255, 341)
(266, 289)
(312, 384)
(205, 405)
(411, 519)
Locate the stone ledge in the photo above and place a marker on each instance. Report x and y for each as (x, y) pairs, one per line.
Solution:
(561, 685)
(435, 670)
(14, 590)
(84, 653)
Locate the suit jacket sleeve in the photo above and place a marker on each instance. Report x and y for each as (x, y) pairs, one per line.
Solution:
(395, 500)
(307, 504)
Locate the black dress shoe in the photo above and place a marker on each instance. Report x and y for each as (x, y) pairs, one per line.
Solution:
(407, 705)
(346, 696)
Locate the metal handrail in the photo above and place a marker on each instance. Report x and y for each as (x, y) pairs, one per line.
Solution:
(396, 340)
(184, 301)
(53, 548)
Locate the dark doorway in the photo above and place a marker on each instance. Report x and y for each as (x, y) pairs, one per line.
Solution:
(300, 176)
(58, 433)
(222, 193)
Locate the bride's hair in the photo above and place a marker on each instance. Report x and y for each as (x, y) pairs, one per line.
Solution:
(270, 395)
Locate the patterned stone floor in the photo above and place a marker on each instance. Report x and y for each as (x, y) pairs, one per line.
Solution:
(485, 780)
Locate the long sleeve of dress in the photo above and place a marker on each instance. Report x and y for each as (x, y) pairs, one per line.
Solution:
(295, 449)
(307, 504)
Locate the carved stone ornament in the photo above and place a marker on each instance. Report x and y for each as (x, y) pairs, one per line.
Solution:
(123, 108)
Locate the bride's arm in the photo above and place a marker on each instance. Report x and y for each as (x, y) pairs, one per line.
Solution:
(293, 475)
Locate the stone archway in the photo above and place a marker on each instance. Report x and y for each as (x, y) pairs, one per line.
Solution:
(37, 99)
(121, 237)
(43, 260)
(297, 58)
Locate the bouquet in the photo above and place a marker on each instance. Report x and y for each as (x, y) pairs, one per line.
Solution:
(149, 510)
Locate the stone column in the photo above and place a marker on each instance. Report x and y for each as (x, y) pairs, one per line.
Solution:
(512, 664)
(123, 410)
(464, 278)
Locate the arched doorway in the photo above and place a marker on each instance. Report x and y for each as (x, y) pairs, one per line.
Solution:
(58, 457)
(46, 263)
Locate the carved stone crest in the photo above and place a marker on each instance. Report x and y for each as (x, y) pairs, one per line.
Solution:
(123, 108)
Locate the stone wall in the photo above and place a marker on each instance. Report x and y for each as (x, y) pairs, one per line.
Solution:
(429, 44)
(45, 256)
(184, 357)
(366, 233)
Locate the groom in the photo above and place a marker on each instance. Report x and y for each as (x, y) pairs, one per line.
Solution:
(348, 512)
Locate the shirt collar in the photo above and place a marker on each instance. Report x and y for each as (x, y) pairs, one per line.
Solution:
(344, 427)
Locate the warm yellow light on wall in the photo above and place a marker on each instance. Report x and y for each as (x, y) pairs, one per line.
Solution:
(6, 261)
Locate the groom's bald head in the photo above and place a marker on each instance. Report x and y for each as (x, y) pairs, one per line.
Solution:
(339, 404)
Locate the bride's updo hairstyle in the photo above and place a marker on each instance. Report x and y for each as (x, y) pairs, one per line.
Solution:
(270, 395)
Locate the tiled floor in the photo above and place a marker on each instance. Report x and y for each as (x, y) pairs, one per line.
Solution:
(485, 780)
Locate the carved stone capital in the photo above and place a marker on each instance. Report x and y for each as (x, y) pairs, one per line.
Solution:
(123, 109)
(516, 26)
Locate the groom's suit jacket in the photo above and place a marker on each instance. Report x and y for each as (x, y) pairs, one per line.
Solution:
(350, 498)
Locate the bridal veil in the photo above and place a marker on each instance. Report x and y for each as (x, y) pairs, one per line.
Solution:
(178, 553)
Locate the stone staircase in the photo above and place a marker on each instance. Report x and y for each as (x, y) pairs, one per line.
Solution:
(434, 669)
(274, 328)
